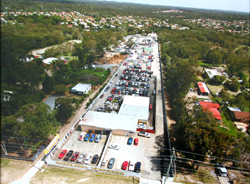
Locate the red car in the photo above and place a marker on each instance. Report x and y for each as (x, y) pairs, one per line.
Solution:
(125, 165)
(136, 141)
(150, 106)
(61, 155)
(101, 95)
(74, 157)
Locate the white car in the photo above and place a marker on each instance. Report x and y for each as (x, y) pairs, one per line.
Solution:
(104, 162)
(144, 134)
(112, 146)
(131, 166)
(80, 158)
(87, 159)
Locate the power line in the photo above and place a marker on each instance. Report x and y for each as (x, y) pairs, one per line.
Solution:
(212, 157)
(26, 138)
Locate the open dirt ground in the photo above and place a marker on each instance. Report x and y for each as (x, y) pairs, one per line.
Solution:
(58, 175)
(12, 170)
(111, 58)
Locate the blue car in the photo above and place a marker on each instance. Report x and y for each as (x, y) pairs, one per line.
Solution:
(92, 138)
(86, 138)
(98, 138)
(130, 140)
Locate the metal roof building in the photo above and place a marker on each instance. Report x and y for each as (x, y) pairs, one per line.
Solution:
(203, 88)
(135, 106)
(133, 110)
(119, 124)
(81, 88)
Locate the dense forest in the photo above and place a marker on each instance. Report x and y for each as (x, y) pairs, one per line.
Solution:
(182, 53)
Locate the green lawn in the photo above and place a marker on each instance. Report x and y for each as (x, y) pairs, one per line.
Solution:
(202, 64)
(229, 128)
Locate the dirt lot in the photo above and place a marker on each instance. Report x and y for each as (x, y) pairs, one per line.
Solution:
(111, 58)
(60, 175)
(12, 170)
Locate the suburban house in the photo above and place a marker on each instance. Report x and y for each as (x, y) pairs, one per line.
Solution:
(81, 88)
(212, 107)
(211, 72)
(203, 89)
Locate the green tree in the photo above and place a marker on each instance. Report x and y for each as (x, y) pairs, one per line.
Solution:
(37, 121)
(60, 89)
(64, 109)
(214, 57)
(48, 84)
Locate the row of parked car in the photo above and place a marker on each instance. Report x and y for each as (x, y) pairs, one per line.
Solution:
(77, 157)
(90, 137)
(131, 166)
(133, 83)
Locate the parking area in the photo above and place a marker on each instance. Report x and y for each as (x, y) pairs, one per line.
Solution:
(143, 152)
(85, 147)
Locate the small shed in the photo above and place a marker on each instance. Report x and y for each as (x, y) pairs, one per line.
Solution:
(81, 88)
(203, 89)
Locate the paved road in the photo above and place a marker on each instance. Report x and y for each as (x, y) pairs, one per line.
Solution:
(159, 126)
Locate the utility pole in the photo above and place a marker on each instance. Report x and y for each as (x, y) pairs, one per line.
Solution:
(4, 149)
(170, 164)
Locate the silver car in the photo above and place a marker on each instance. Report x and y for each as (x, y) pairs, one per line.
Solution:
(80, 158)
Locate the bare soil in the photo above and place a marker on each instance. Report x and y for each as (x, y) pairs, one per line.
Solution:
(168, 109)
(12, 170)
(53, 174)
(111, 58)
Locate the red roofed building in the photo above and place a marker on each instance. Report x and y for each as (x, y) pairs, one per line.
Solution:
(212, 107)
(203, 90)
(240, 116)
(209, 104)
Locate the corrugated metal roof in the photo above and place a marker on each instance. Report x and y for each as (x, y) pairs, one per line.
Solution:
(81, 87)
(135, 106)
(110, 121)
(203, 87)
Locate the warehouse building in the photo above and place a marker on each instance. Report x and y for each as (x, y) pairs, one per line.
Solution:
(81, 88)
(134, 110)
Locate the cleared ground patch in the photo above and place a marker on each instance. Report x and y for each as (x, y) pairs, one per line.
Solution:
(12, 170)
(60, 175)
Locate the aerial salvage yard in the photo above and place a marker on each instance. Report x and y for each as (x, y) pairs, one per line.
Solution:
(118, 132)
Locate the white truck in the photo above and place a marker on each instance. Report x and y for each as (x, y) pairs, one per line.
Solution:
(144, 134)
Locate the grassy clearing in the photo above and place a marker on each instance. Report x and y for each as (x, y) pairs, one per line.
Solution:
(215, 89)
(202, 64)
(228, 127)
(200, 176)
(12, 170)
(53, 174)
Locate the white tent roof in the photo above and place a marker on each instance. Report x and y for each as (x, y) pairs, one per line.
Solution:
(135, 106)
(81, 87)
(109, 121)
(49, 60)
